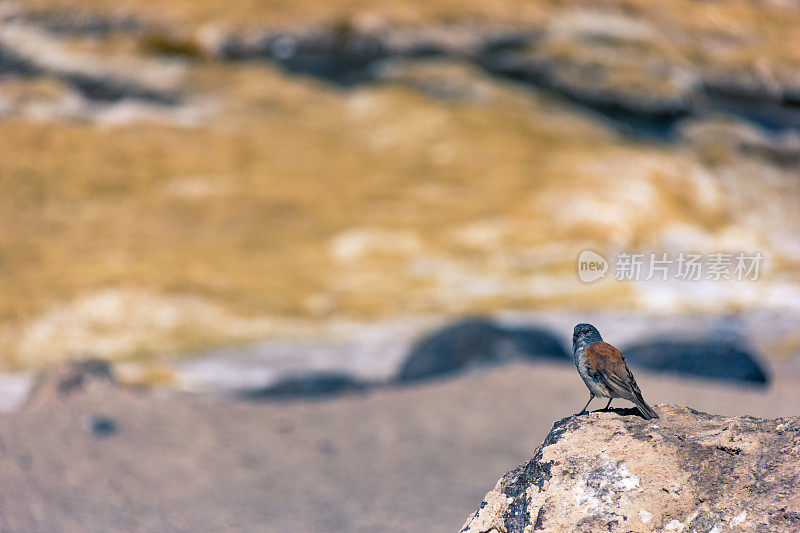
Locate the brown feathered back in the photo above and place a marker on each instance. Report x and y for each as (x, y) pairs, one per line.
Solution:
(610, 365)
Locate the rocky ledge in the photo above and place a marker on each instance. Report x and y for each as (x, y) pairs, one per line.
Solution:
(687, 471)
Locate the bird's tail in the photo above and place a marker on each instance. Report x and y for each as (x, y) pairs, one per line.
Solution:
(647, 411)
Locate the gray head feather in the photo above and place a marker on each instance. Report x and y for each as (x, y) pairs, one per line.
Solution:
(585, 335)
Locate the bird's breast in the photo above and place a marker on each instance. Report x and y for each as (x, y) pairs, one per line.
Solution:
(590, 376)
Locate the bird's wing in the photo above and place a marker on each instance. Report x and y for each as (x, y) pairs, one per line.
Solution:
(610, 363)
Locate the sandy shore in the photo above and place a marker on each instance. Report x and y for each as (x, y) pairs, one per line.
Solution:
(394, 459)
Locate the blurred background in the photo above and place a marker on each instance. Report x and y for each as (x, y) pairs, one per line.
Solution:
(311, 204)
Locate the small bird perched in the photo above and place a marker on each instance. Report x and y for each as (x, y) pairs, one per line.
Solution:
(604, 371)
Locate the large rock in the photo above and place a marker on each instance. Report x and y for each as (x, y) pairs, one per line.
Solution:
(687, 471)
(307, 386)
(71, 377)
(473, 342)
(712, 358)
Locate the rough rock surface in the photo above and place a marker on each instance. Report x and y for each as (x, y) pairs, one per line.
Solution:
(688, 471)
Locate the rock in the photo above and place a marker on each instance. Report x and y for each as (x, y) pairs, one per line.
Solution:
(688, 471)
(598, 86)
(69, 378)
(13, 63)
(81, 23)
(312, 385)
(623, 66)
(28, 50)
(473, 342)
(438, 79)
(723, 134)
(76, 373)
(338, 53)
(722, 359)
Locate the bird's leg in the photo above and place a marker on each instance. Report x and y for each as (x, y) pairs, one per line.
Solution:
(608, 404)
(584, 411)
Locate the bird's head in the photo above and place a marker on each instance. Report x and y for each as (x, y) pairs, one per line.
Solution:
(586, 334)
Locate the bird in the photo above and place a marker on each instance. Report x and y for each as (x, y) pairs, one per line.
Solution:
(604, 370)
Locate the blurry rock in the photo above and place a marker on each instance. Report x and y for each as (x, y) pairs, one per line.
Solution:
(13, 63)
(100, 426)
(81, 23)
(781, 150)
(438, 79)
(30, 50)
(74, 374)
(71, 377)
(722, 135)
(473, 342)
(312, 385)
(613, 89)
(721, 359)
(338, 53)
(623, 65)
(690, 471)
